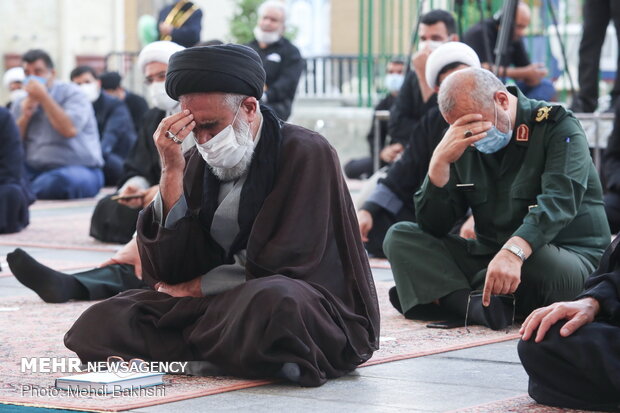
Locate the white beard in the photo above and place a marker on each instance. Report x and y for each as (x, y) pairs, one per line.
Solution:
(244, 138)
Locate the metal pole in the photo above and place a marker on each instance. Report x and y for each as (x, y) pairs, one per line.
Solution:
(370, 55)
(360, 55)
(375, 144)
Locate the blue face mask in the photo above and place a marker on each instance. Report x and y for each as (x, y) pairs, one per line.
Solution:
(495, 139)
(39, 79)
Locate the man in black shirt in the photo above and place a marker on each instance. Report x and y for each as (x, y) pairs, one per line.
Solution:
(392, 199)
(281, 60)
(530, 77)
(363, 167)
(415, 97)
(111, 84)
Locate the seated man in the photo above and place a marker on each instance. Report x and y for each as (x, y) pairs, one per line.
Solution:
(574, 359)
(15, 196)
(530, 77)
(611, 174)
(59, 129)
(391, 200)
(114, 220)
(111, 84)
(535, 196)
(363, 168)
(258, 274)
(415, 97)
(116, 129)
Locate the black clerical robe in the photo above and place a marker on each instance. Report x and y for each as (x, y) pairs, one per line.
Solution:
(15, 195)
(309, 297)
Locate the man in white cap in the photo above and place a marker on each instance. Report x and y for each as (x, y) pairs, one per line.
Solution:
(13, 80)
(392, 199)
(114, 220)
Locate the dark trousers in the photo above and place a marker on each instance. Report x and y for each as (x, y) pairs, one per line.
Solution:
(581, 371)
(382, 221)
(66, 182)
(427, 268)
(112, 169)
(596, 16)
(612, 209)
(14, 215)
(108, 281)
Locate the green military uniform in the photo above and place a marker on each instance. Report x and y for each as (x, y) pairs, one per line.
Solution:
(542, 187)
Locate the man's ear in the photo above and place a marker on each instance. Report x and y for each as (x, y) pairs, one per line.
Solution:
(453, 37)
(502, 99)
(250, 107)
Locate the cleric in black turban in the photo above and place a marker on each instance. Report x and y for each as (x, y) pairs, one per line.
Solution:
(230, 68)
(251, 245)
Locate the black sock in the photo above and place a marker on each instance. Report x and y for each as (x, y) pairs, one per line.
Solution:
(52, 286)
(496, 316)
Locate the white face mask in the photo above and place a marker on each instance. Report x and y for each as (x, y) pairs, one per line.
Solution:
(266, 37)
(91, 90)
(17, 94)
(431, 44)
(393, 81)
(159, 97)
(223, 150)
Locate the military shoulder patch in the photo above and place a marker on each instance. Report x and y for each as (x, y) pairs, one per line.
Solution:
(546, 113)
(523, 133)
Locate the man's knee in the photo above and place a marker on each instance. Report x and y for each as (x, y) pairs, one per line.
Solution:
(281, 291)
(400, 235)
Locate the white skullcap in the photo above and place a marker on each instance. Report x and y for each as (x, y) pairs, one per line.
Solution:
(159, 51)
(448, 53)
(14, 74)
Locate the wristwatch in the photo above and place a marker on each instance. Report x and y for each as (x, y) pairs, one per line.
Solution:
(515, 250)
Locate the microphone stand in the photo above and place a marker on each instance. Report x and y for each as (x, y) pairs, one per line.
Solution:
(506, 29)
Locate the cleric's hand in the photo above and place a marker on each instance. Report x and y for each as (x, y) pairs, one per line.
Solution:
(187, 289)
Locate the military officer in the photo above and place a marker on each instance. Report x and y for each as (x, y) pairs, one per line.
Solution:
(524, 169)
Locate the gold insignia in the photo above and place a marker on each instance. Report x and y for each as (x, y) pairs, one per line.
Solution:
(543, 113)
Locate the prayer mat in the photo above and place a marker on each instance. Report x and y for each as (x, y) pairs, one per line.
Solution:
(523, 403)
(32, 328)
(66, 230)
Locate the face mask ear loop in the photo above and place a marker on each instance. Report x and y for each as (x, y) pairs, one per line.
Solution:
(235, 117)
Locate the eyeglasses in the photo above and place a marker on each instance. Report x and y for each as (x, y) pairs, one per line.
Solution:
(122, 368)
(157, 77)
(506, 298)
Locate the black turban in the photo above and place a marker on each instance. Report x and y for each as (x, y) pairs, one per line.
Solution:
(228, 68)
